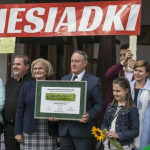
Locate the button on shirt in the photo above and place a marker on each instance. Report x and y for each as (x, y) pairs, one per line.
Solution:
(80, 76)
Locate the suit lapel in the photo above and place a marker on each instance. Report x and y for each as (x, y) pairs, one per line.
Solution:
(85, 76)
(70, 76)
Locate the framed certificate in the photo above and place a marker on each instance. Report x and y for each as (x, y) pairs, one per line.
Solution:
(64, 100)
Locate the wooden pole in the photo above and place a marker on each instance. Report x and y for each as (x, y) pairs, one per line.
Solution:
(52, 58)
(75, 44)
(88, 49)
(106, 58)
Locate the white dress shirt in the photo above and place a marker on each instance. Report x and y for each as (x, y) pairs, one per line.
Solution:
(80, 76)
(127, 74)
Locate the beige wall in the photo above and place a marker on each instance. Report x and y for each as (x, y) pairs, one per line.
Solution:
(3, 61)
(3, 67)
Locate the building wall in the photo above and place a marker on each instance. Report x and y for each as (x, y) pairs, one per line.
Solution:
(3, 61)
(143, 51)
(18, 47)
(3, 67)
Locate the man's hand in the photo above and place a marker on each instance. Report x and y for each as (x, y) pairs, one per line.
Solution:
(129, 55)
(112, 134)
(53, 119)
(131, 63)
(85, 118)
(19, 137)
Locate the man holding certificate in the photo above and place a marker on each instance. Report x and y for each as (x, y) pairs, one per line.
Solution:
(77, 134)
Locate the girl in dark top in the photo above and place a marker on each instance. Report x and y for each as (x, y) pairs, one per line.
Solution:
(121, 118)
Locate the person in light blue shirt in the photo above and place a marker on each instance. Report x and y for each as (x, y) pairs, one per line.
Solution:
(140, 88)
(2, 99)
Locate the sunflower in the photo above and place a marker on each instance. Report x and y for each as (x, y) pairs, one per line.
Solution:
(98, 133)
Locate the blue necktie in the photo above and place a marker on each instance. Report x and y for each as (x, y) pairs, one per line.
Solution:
(74, 77)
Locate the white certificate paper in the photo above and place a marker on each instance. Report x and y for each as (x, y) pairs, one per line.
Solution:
(60, 100)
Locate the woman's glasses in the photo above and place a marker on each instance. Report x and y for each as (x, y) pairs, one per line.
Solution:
(40, 68)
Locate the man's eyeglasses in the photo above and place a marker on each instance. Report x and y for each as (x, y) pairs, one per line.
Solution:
(40, 68)
(80, 52)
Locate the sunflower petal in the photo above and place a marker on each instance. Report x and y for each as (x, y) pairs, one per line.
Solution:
(100, 136)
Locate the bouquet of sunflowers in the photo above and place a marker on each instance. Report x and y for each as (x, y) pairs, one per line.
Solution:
(101, 135)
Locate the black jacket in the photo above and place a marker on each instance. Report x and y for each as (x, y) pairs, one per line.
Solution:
(12, 90)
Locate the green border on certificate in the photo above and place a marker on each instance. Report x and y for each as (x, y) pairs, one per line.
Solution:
(64, 100)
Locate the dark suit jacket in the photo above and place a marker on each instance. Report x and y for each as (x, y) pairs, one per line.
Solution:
(25, 121)
(94, 105)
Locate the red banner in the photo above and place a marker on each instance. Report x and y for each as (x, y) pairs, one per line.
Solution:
(71, 19)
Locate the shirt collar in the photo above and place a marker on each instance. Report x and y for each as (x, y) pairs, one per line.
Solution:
(116, 104)
(146, 87)
(80, 76)
(22, 78)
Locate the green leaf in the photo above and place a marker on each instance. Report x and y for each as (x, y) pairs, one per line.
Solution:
(113, 141)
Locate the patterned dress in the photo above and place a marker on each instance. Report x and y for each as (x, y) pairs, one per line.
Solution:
(39, 140)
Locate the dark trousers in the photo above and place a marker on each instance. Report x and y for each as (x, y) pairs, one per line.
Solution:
(10, 141)
(69, 142)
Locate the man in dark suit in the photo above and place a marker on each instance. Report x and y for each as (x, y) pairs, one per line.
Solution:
(73, 134)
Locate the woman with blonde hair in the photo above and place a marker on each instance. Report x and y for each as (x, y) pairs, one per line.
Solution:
(33, 133)
(141, 95)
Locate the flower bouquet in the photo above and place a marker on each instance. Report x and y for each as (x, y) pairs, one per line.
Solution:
(100, 135)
